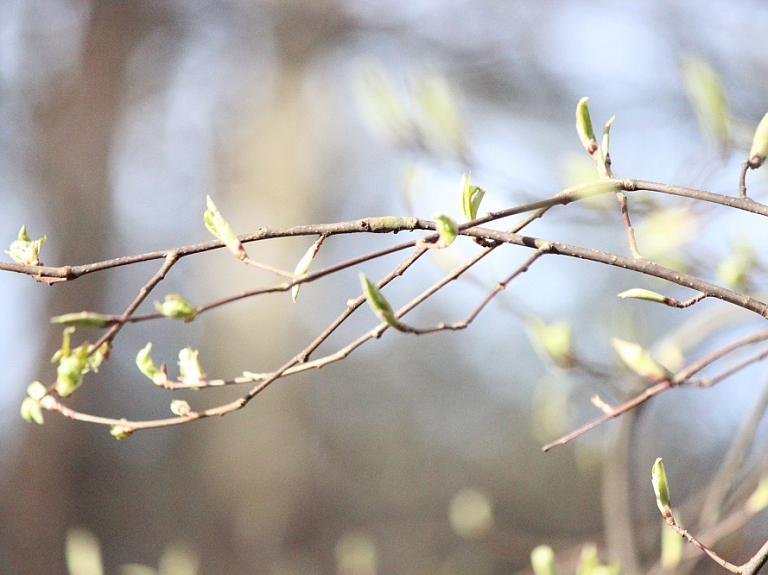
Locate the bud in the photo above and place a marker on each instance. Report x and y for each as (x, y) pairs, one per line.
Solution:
(661, 488)
(378, 302)
(31, 411)
(181, 408)
(176, 307)
(120, 431)
(220, 228)
(584, 126)
(639, 293)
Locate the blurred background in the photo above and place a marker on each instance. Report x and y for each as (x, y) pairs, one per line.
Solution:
(413, 455)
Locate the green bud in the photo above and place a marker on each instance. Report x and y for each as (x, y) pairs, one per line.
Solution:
(447, 228)
(24, 250)
(81, 319)
(31, 411)
(378, 302)
(759, 149)
(639, 293)
(584, 126)
(148, 367)
(543, 560)
(639, 360)
(303, 266)
(189, 366)
(180, 407)
(661, 488)
(176, 307)
(120, 431)
(471, 196)
(220, 228)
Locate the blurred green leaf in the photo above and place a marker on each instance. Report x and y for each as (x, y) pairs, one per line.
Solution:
(707, 96)
(31, 411)
(543, 560)
(438, 117)
(639, 360)
(147, 366)
(759, 149)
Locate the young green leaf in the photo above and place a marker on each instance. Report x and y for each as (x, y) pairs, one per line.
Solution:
(378, 302)
(189, 366)
(81, 319)
(447, 228)
(639, 360)
(220, 228)
(471, 196)
(148, 367)
(176, 307)
(661, 488)
(584, 126)
(759, 149)
(24, 250)
(31, 411)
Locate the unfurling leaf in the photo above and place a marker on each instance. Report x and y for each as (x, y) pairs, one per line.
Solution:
(447, 228)
(303, 266)
(543, 560)
(220, 228)
(661, 488)
(148, 367)
(189, 366)
(81, 319)
(639, 293)
(72, 368)
(759, 149)
(176, 307)
(31, 411)
(639, 360)
(181, 408)
(24, 250)
(471, 196)
(378, 302)
(584, 126)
